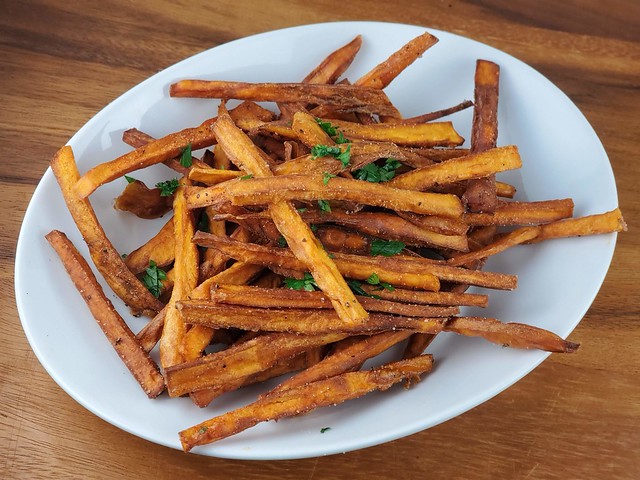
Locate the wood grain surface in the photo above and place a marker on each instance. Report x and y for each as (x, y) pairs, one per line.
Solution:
(575, 417)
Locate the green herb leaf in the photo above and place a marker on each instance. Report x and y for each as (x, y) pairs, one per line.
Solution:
(129, 179)
(374, 279)
(325, 151)
(332, 131)
(313, 227)
(324, 206)
(306, 283)
(356, 287)
(203, 222)
(375, 174)
(326, 176)
(386, 248)
(246, 177)
(325, 429)
(345, 157)
(153, 278)
(168, 188)
(203, 429)
(185, 158)
(282, 242)
(302, 210)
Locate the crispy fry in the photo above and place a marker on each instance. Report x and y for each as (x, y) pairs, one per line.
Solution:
(515, 335)
(523, 213)
(141, 366)
(213, 176)
(217, 369)
(308, 130)
(429, 298)
(142, 201)
(516, 237)
(270, 190)
(252, 296)
(108, 262)
(296, 233)
(608, 222)
(297, 320)
(160, 248)
(335, 64)
(342, 97)
(431, 116)
(481, 192)
(303, 399)
(442, 225)
(352, 266)
(154, 152)
(186, 279)
(462, 168)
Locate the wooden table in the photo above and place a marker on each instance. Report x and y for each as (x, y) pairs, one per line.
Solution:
(576, 416)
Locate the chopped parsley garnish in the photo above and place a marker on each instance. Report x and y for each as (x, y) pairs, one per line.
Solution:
(313, 227)
(185, 158)
(282, 242)
(246, 177)
(386, 248)
(129, 179)
(374, 279)
(324, 206)
(332, 151)
(203, 222)
(202, 429)
(306, 283)
(302, 210)
(153, 278)
(375, 174)
(168, 188)
(332, 131)
(326, 176)
(325, 429)
(356, 287)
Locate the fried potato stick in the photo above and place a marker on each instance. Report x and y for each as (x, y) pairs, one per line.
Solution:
(335, 64)
(160, 248)
(523, 213)
(607, 222)
(154, 152)
(122, 339)
(515, 335)
(303, 399)
(105, 257)
(429, 298)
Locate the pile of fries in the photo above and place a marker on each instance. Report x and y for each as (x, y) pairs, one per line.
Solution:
(308, 241)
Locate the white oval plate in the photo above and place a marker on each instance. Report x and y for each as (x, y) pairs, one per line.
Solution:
(557, 280)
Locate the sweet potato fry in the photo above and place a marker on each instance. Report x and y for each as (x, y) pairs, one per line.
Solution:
(186, 279)
(523, 213)
(297, 320)
(296, 233)
(608, 222)
(511, 239)
(335, 64)
(431, 116)
(160, 248)
(253, 356)
(142, 201)
(352, 266)
(515, 335)
(108, 262)
(213, 176)
(385, 72)
(342, 97)
(481, 192)
(475, 165)
(252, 296)
(442, 225)
(429, 298)
(270, 190)
(139, 363)
(309, 131)
(154, 152)
(441, 134)
(302, 399)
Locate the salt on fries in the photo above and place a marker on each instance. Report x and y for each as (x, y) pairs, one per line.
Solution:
(311, 240)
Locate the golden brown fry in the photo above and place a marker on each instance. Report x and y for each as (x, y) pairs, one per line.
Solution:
(213, 176)
(608, 222)
(297, 320)
(142, 367)
(154, 152)
(218, 369)
(431, 116)
(160, 248)
(385, 72)
(352, 266)
(342, 97)
(142, 201)
(440, 134)
(295, 231)
(262, 191)
(515, 335)
(335, 64)
(516, 237)
(523, 213)
(475, 165)
(336, 239)
(186, 279)
(429, 298)
(443, 225)
(108, 262)
(480, 195)
(302, 399)
(309, 131)
(252, 296)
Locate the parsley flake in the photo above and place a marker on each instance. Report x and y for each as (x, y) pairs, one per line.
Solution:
(185, 158)
(168, 188)
(246, 177)
(374, 279)
(324, 206)
(325, 429)
(332, 151)
(282, 242)
(306, 283)
(332, 131)
(326, 176)
(356, 287)
(129, 179)
(376, 174)
(386, 248)
(153, 278)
